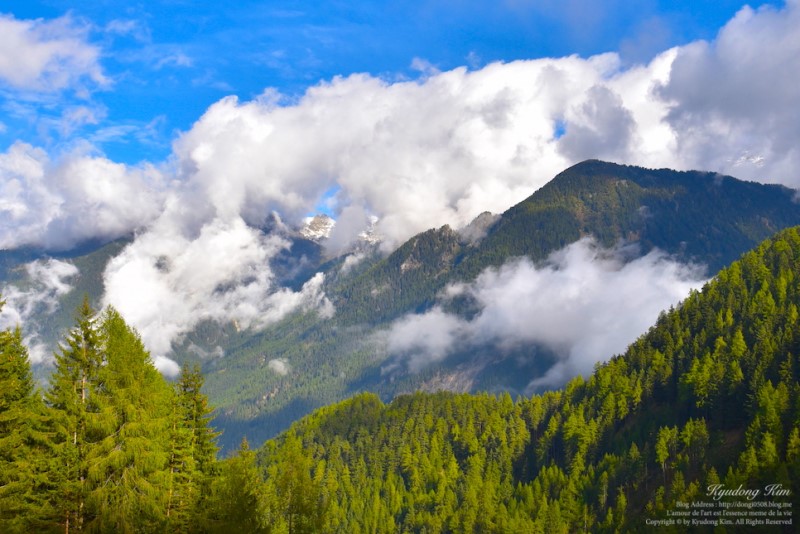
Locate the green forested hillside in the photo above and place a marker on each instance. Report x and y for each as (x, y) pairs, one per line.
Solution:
(701, 216)
(710, 395)
(704, 405)
(698, 216)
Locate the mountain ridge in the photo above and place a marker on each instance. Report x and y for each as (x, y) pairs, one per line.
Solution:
(693, 216)
(410, 279)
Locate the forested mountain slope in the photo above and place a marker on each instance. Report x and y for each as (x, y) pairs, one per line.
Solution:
(709, 397)
(695, 216)
(701, 216)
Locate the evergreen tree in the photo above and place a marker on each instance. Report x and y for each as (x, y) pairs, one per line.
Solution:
(128, 466)
(583, 458)
(24, 481)
(239, 496)
(192, 463)
(73, 415)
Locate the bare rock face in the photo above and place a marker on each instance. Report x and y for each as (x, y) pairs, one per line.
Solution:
(317, 228)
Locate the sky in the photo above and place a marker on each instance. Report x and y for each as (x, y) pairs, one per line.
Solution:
(129, 76)
(196, 125)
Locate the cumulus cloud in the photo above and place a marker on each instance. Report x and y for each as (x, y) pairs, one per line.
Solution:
(741, 88)
(47, 281)
(415, 154)
(186, 269)
(47, 56)
(81, 196)
(601, 127)
(444, 148)
(585, 304)
(450, 145)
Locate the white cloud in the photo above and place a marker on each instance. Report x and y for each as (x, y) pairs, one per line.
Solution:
(585, 305)
(415, 154)
(47, 281)
(47, 56)
(426, 338)
(733, 101)
(58, 204)
(179, 59)
(444, 148)
(167, 366)
(280, 366)
(187, 269)
(351, 221)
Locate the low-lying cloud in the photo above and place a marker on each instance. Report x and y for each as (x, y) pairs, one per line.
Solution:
(585, 304)
(47, 281)
(181, 273)
(279, 366)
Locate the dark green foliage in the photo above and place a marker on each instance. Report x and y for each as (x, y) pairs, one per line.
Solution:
(25, 482)
(699, 216)
(710, 395)
(696, 216)
(192, 461)
(126, 466)
(74, 415)
(238, 499)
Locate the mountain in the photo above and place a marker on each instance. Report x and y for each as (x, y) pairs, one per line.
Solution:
(317, 228)
(695, 427)
(262, 381)
(695, 216)
(699, 216)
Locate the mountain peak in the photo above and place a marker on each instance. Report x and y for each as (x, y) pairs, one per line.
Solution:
(593, 166)
(317, 227)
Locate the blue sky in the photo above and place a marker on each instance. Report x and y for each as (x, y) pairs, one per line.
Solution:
(166, 62)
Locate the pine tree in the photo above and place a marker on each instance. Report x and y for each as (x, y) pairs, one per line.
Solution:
(192, 464)
(128, 467)
(24, 481)
(297, 497)
(72, 416)
(238, 503)
(197, 415)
